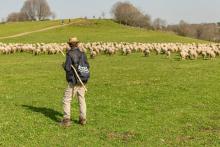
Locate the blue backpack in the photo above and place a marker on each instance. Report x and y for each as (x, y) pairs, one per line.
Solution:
(83, 68)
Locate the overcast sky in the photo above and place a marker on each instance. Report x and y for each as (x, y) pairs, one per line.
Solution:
(192, 11)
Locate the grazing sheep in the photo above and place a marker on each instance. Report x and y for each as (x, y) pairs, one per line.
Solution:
(168, 53)
(186, 50)
(193, 54)
(146, 52)
(184, 55)
(92, 54)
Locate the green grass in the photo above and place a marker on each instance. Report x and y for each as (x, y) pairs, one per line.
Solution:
(100, 30)
(20, 27)
(132, 101)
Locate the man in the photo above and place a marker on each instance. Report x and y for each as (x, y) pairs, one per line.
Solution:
(74, 57)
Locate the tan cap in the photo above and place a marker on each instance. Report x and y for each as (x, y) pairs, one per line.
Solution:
(73, 40)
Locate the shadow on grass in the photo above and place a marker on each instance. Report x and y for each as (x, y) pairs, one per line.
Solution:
(50, 113)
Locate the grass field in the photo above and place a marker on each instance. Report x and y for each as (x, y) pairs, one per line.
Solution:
(97, 30)
(132, 101)
(20, 27)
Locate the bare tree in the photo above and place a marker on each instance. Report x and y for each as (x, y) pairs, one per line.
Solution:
(29, 9)
(17, 16)
(209, 32)
(127, 14)
(43, 9)
(12, 17)
(159, 24)
(183, 28)
(36, 9)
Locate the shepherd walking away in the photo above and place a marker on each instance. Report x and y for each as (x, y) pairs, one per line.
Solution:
(77, 75)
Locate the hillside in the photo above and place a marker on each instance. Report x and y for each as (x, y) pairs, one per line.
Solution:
(13, 28)
(88, 31)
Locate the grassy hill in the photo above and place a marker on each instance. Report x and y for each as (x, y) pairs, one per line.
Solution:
(90, 31)
(13, 28)
(160, 102)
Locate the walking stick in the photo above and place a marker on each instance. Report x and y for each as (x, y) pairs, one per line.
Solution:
(76, 73)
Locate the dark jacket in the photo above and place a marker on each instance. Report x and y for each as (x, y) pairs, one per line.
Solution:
(72, 58)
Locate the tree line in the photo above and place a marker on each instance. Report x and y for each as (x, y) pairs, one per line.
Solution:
(32, 10)
(204, 31)
(127, 14)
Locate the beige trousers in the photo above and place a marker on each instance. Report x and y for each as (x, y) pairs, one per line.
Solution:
(72, 91)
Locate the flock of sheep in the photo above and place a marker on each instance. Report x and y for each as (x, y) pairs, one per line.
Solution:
(186, 51)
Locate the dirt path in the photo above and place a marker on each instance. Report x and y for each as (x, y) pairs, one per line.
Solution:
(41, 30)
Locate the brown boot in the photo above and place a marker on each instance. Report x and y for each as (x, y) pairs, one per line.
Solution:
(82, 121)
(66, 122)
